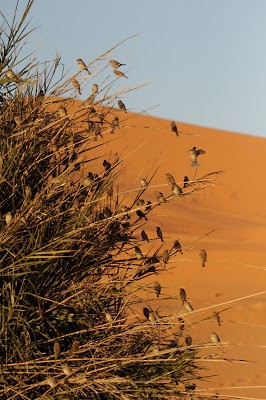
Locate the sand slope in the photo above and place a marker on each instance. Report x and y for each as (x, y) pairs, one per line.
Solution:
(234, 207)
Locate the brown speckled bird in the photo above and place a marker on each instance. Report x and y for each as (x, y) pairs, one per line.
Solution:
(188, 306)
(183, 295)
(89, 100)
(143, 183)
(115, 64)
(215, 338)
(177, 189)
(159, 233)
(146, 312)
(74, 347)
(82, 65)
(188, 340)
(157, 288)
(141, 214)
(165, 256)
(120, 74)
(144, 236)
(216, 316)
(203, 257)
(114, 124)
(170, 179)
(62, 112)
(121, 105)
(194, 153)
(56, 349)
(160, 197)
(174, 128)
(185, 181)
(76, 84)
(138, 253)
(177, 246)
(94, 88)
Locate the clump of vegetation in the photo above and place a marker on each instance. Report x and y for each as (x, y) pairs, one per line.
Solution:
(70, 326)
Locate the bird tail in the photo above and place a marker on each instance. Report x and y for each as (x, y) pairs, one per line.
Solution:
(203, 264)
(195, 164)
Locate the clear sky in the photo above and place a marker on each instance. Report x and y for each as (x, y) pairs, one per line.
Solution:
(205, 59)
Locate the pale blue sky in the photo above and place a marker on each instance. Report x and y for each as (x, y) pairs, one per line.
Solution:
(206, 59)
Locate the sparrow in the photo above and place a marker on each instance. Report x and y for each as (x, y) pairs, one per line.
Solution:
(115, 64)
(56, 349)
(146, 312)
(216, 316)
(106, 165)
(82, 65)
(51, 382)
(177, 189)
(165, 256)
(188, 340)
(157, 288)
(183, 295)
(108, 317)
(203, 257)
(159, 233)
(140, 203)
(138, 253)
(140, 214)
(143, 183)
(62, 112)
(18, 120)
(76, 84)
(148, 206)
(170, 179)
(174, 128)
(89, 100)
(215, 338)
(95, 88)
(144, 235)
(8, 218)
(185, 181)
(120, 74)
(66, 369)
(177, 246)
(160, 197)
(121, 105)
(188, 306)
(74, 347)
(181, 323)
(114, 124)
(194, 153)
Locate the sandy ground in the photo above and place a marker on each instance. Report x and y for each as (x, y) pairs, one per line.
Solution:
(233, 209)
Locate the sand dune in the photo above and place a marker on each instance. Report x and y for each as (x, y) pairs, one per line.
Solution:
(233, 207)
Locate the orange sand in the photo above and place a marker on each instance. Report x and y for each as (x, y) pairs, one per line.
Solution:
(235, 208)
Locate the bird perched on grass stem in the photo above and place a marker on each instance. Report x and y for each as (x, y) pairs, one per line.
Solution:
(138, 253)
(183, 295)
(159, 233)
(170, 179)
(141, 214)
(114, 124)
(203, 257)
(216, 316)
(174, 128)
(144, 236)
(157, 288)
(165, 257)
(121, 105)
(120, 74)
(94, 88)
(82, 65)
(160, 197)
(143, 183)
(215, 338)
(76, 85)
(177, 189)
(194, 153)
(115, 64)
